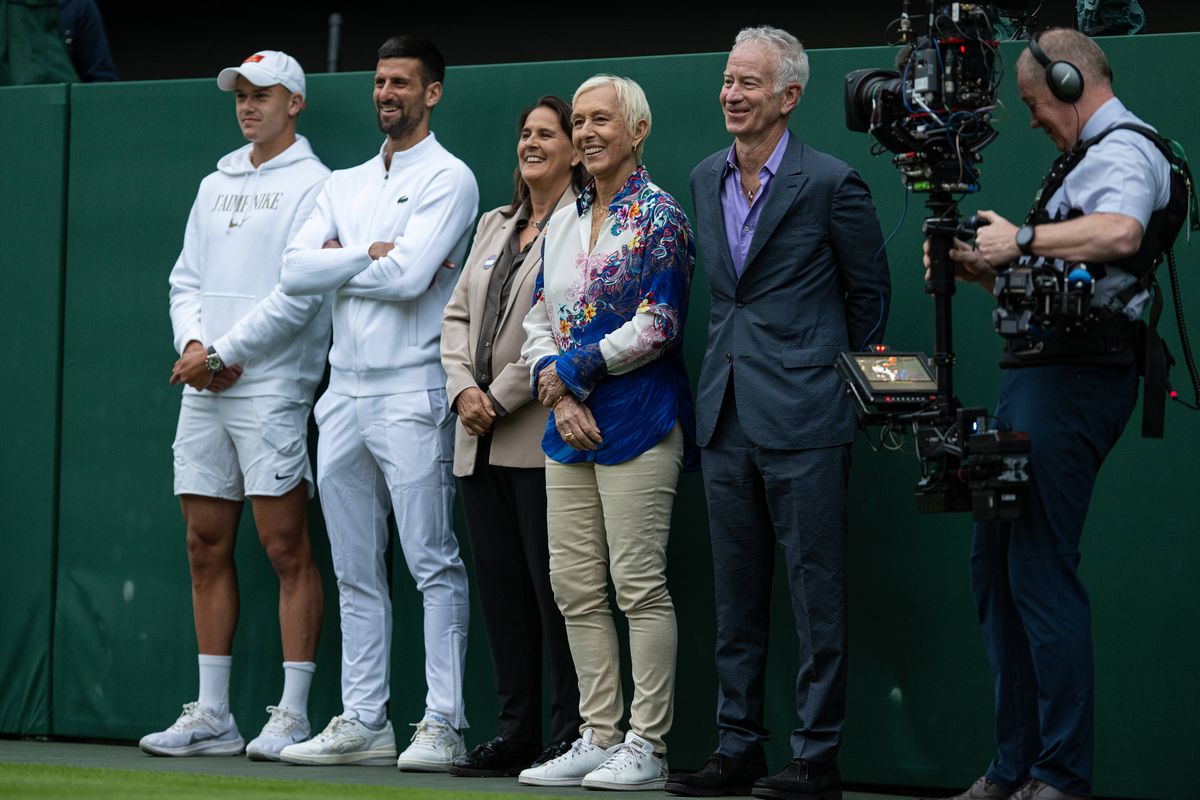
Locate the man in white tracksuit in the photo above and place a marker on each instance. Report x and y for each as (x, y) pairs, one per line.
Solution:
(251, 358)
(387, 238)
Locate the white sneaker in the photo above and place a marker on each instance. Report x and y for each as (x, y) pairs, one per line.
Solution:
(283, 728)
(569, 768)
(630, 766)
(434, 747)
(345, 740)
(197, 732)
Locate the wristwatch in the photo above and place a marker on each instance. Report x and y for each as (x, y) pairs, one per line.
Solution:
(1025, 240)
(214, 362)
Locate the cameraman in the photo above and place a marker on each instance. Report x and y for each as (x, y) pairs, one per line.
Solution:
(1074, 396)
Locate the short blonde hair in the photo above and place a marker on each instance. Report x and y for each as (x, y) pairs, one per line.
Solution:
(631, 100)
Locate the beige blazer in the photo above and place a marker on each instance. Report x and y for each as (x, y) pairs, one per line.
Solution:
(516, 436)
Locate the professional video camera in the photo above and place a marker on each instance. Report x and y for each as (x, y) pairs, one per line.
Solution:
(934, 113)
(934, 110)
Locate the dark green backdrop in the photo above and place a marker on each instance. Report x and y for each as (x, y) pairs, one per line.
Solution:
(98, 640)
(33, 128)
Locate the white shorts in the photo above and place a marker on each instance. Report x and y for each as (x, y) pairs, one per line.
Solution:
(234, 447)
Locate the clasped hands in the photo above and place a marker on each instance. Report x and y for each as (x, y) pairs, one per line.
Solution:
(475, 409)
(573, 419)
(192, 368)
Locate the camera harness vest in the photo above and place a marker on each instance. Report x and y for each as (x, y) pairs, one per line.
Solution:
(1113, 339)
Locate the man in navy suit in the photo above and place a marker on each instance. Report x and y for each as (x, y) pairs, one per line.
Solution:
(791, 244)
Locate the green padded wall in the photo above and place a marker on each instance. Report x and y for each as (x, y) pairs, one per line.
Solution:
(33, 123)
(919, 709)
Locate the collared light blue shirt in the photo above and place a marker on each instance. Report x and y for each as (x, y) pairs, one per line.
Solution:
(741, 215)
(1124, 173)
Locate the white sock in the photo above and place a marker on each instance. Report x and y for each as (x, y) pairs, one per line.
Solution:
(297, 678)
(370, 723)
(214, 683)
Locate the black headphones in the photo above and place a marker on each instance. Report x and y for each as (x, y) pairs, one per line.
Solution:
(1064, 78)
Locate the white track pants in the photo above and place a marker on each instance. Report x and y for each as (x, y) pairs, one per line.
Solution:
(396, 448)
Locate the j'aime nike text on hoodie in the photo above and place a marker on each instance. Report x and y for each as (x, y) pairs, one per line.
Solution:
(225, 286)
(387, 312)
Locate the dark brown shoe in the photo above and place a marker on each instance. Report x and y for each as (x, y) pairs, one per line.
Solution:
(801, 779)
(721, 775)
(982, 789)
(1040, 790)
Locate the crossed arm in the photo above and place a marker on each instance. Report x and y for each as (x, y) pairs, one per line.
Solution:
(401, 269)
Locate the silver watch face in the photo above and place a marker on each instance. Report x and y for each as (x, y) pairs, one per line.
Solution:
(213, 362)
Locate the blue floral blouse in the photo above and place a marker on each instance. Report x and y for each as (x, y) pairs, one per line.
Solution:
(613, 319)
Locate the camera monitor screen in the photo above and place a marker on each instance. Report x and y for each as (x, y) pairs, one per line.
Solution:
(896, 373)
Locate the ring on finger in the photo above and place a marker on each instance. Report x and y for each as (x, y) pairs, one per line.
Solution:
(569, 435)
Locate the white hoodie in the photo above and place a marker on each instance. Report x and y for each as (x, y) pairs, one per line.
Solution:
(225, 285)
(387, 312)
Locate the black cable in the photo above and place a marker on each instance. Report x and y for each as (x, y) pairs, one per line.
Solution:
(1184, 343)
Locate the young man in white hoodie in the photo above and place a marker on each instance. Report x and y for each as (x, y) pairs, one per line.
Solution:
(387, 238)
(251, 358)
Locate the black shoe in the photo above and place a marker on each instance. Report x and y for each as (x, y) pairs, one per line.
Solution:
(552, 751)
(801, 779)
(494, 759)
(721, 775)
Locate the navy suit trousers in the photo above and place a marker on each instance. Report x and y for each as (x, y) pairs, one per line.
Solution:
(758, 497)
(1033, 608)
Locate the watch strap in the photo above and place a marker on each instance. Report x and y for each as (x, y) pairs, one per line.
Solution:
(1024, 239)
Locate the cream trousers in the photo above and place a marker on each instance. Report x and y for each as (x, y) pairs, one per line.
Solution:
(616, 519)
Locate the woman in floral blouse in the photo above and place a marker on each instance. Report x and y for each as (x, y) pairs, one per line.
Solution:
(605, 349)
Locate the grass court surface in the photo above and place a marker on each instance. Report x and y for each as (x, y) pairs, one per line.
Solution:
(32, 770)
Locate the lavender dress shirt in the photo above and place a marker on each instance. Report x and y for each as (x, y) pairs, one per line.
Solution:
(741, 216)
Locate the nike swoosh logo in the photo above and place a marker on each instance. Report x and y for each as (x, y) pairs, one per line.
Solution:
(279, 477)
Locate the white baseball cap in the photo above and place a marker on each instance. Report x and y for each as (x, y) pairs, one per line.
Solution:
(266, 68)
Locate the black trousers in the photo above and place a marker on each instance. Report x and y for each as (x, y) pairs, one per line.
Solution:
(506, 517)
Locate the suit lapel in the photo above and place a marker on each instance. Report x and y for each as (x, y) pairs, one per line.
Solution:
(781, 195)
(713, 216)
(481, 287)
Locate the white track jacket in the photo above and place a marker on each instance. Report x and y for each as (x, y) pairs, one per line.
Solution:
(225, 286)
(387, 312)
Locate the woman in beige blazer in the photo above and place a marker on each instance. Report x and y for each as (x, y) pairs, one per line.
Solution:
(498, 456)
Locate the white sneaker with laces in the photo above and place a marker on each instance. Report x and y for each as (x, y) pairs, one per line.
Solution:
(345, 740)
(434, 747)
(283, 728)
(631, 766)
(197, 732)
(569, 768)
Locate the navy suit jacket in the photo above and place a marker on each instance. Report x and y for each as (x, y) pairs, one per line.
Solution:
(815, 283)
